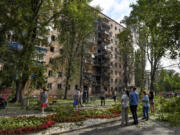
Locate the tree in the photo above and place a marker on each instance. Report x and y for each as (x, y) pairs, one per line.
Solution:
(27, 22)
(140, 64)
(75, 25)
(158, 25)
(168, 80)
(127, 54)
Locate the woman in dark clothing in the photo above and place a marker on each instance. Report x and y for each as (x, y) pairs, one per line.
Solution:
(151, 101)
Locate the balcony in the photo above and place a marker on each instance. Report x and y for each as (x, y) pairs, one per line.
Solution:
(41, 49)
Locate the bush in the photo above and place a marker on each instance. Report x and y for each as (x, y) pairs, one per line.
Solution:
(168, 109)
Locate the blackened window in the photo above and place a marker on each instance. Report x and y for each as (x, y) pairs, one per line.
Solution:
(59, 86)
(51, 49)
(49, 86)
(50, 73)
(53, 38)
(59, 74)
(99, 50)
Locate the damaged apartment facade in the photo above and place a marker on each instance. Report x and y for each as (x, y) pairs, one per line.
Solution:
(103, 66)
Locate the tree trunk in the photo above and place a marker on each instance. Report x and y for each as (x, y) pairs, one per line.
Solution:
(68, 75)
(81, 67)
(20, 91)
(125, 74)
(152, 79)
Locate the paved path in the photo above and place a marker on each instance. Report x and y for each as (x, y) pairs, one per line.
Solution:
(144, 128)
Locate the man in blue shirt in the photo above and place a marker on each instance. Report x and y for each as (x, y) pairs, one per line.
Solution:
(134, 101)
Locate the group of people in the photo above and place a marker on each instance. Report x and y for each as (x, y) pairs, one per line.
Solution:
(80, 97)
(132, 99)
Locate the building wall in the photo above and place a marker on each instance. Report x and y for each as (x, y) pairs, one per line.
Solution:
(115, 61)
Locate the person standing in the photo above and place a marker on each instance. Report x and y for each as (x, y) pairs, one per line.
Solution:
(124, 105)
(77, 98)
(134, 101)
(114, 95)
(103, 95)
(145, 101)
(43, 99)
(151, 101)
(85, 95)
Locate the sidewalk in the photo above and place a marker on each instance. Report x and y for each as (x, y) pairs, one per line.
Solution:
(150, 127)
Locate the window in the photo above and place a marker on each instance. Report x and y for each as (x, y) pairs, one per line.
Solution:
(116, 72)
(111, 40)
(50, 60)
(119, 65)
(112, 80)
(59, 86)
(111, 25)
(49, 86)
(99, 50)
(9, 37)
(59, 74)
(51, 49)
(116, 49)
(53, 38)
(115, 64)
(115, 28)
(110, 34)
(111, 48)
(50, 73)
(116, 42)
(60, 51)
(119, 30)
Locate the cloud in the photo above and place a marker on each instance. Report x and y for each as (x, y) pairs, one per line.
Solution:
(115, 9)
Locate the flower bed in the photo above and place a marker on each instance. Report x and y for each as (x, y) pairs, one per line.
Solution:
(74, 116)
(21, 125)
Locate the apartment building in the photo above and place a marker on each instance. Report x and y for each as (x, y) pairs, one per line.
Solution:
(103, 65)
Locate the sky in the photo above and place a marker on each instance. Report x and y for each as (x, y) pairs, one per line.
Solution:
(117, 9)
